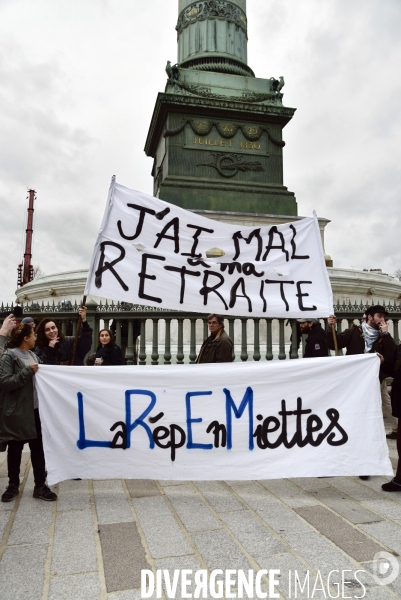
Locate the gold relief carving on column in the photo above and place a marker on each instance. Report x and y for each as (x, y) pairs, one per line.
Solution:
(228, 165)
(226, 130)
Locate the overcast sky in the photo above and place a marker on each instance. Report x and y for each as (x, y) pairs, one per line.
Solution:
(78, 83)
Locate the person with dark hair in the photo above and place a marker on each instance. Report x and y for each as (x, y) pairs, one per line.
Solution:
(370, 336)
(315, 344)
(218, 347)
(53, 348)
(107, 353)
(19, 413)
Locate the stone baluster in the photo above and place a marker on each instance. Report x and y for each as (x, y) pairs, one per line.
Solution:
(142, 343)
(281, 340)
(167, 345)
(244, 340)
(180, 345)
(231, 334)
(256, 342)
(192, 344)
(155, 342)
(129, 355)
(269, 340)
(294, 340)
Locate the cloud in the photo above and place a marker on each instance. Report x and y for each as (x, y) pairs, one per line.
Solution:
(79, 83)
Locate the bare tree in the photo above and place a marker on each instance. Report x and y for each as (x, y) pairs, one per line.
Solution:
(398, 274)
(37, 272)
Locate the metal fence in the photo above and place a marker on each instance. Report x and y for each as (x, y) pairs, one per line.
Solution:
(153, 336)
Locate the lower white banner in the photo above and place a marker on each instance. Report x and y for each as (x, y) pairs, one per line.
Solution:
(296, 418)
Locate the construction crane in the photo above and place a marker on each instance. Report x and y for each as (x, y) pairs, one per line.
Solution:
(25, 269)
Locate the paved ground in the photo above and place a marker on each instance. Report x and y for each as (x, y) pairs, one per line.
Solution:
(93, 542)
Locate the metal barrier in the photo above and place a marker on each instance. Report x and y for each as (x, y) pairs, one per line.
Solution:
(153, 336)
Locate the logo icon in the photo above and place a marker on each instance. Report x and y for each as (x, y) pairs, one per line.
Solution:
(385, 568)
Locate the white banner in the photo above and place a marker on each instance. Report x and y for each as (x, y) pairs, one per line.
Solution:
(150, 252)
(243, 421)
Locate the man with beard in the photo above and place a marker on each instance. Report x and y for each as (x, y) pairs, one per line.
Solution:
(316, 341)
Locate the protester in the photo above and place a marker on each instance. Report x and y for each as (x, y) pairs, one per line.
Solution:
(108, 353)
(28, 320)
(8, 325)
(19, 414)
(315, 343)
(395, 484)
(53, 348)
(218, 347)
(370, 336)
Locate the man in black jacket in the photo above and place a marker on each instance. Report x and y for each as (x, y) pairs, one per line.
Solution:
(316, 340)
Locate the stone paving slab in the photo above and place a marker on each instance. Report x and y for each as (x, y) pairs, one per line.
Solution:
(111, 502)
(73, 495)
(76, 587)
(22, 572)
(345, 506)
(93, 542)
(74, 544)
(288, 493)
(162, 532)
(350, 540)
(142, 488)
(219, 551)
(123, 556)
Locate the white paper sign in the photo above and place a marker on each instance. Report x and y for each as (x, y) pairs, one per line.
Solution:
(154, 253)
(243, 421)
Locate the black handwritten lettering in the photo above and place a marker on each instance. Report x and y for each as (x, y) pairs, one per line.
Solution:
(175, 224)
(142, 212)
(220, 433)
(294, 246)
(246, 268)
(262, 287)
(281, 284)
(271, 424)
(195, 237)
(206, 290)
(270, 246)
(120, 435)
(109, 266)
(162, 433)
(234, 295)
(300, 295)
(183, 271)
(254, 234)
(143, 275)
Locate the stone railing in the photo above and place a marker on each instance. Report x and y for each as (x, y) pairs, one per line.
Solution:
(153, 336)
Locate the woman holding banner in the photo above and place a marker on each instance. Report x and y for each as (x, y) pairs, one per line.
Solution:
(53, 348)
(19, 413)
(108, 353)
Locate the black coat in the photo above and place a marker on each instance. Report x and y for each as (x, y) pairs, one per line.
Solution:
(62, 351)
(316, 342)
(111, 355)
(396, 385)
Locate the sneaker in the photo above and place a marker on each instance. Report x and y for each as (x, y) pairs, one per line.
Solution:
(392, 486)
(44, 493)
(392, 436)
(10, 493)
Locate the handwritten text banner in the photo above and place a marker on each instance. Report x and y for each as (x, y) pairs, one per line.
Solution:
(299, 418)
(154, 253)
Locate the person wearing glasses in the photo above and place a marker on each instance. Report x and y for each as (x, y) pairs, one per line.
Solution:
(218, 347)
